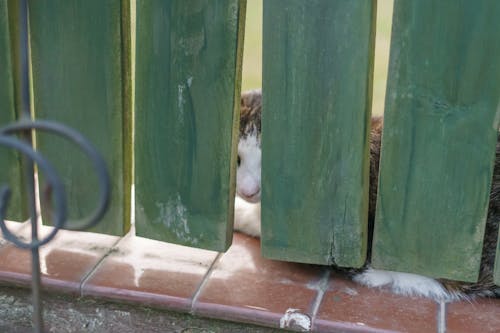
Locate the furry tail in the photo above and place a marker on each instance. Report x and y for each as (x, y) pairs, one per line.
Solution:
(407, 284)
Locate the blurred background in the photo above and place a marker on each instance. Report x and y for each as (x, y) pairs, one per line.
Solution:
(252, 56)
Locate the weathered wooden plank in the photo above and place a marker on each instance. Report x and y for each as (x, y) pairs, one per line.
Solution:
(9, 160)
(317, 74)
(80, 58)
(441, 123)
(187, 101)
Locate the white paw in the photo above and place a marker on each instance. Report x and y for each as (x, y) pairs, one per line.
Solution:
(247, 217)
(405, 284)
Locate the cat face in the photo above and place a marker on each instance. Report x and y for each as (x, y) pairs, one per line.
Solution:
(249, 165)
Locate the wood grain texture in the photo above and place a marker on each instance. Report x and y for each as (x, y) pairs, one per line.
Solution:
(79, 59)
(317, 75)
(438, 145)
(10, 161)
(188, 73)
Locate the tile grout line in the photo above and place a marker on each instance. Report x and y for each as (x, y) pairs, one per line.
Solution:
(321, 290)
(98, 264)
(441, 317)
(204, 281)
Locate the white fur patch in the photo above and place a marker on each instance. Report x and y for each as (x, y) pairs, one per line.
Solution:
(247, 217)
(405, 284)
(248, 173)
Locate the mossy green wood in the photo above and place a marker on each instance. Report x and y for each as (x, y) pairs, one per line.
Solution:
(317, 75)
(441, 123)
(186, 119)
(10, 163)
(80, 64)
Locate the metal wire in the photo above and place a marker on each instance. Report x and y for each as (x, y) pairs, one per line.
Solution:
(59, 195)
(25, 127)
(81, 142)
(53, 179)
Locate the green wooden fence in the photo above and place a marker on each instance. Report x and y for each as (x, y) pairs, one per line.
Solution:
(439, 139)
(80, 77)
(187, 98)
(9, 161)
(319, 94)
(441, 124)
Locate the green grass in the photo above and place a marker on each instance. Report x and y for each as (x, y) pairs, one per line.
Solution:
(252, 56)
(252, 53)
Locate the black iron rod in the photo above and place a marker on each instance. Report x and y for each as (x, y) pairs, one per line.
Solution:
(26, 127)
(25, 112)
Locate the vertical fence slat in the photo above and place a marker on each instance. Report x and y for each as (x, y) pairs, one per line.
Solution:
(441, 123)
(9, 161)
(317, 73)
(79, 78)
(187, 96)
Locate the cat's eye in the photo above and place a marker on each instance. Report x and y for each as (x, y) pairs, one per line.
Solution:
(239, 160)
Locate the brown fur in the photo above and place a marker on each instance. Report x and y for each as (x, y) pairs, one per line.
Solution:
(250, 112)
(484, 286)
(251, 108)
(375, 143)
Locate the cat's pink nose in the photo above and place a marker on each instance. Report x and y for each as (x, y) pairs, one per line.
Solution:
(250, 193)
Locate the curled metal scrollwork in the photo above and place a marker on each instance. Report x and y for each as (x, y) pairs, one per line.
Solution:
(59, 212)
(25, 126)
(59, 219)
(81, 142)
(53, 179)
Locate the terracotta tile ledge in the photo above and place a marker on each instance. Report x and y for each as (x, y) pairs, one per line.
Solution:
(238, 285)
